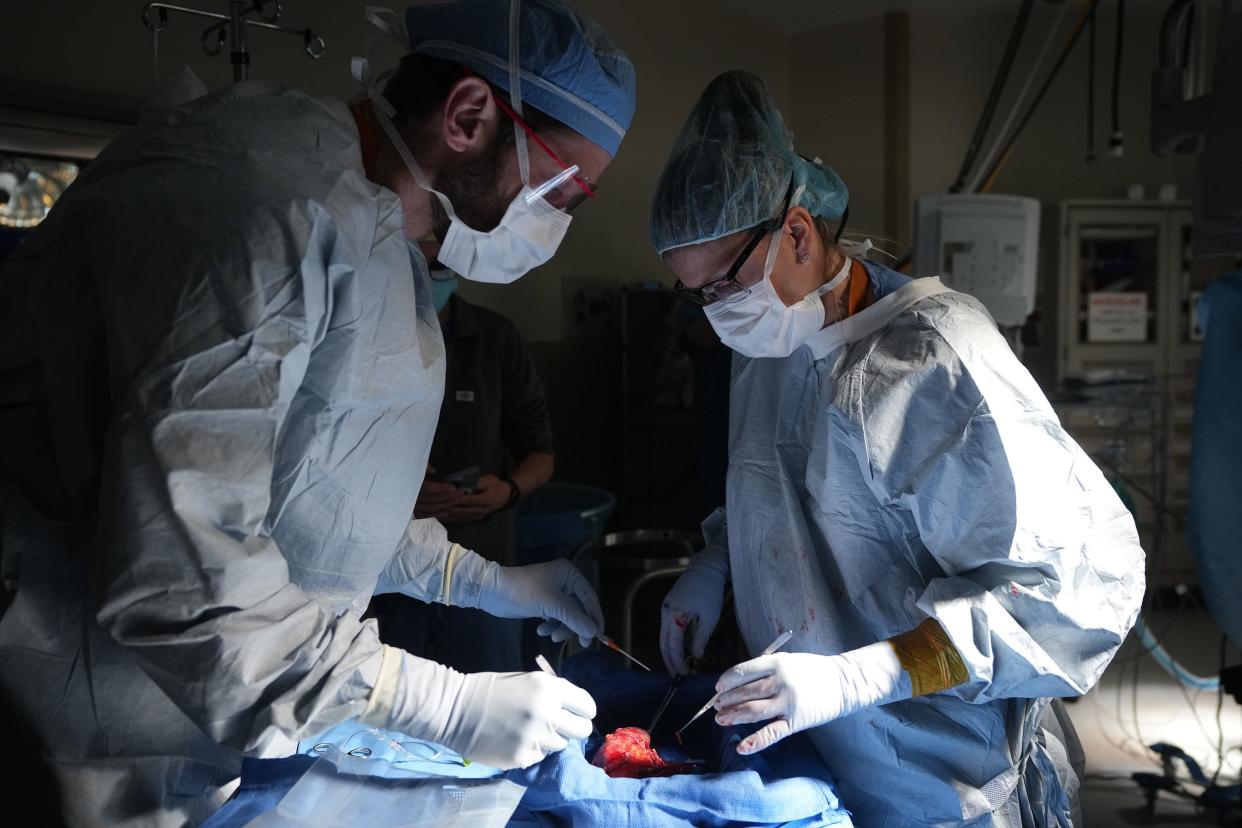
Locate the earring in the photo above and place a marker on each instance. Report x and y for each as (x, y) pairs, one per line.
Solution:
(804, 258)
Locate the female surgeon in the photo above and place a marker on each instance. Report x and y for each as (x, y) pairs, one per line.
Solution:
(900, 496)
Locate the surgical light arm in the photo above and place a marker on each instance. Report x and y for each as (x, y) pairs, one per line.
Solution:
(1209, 124)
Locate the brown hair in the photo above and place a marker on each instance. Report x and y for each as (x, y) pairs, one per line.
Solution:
(422, 83)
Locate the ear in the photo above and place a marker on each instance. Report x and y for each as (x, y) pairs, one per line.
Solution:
(800, 225)
(469, 115)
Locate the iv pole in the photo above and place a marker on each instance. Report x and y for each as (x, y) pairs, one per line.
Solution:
(231, 28)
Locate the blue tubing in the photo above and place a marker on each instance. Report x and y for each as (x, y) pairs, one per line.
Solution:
(1177, 671)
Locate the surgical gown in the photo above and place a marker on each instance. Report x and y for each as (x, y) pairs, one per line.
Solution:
(220, 376)
(904, 465)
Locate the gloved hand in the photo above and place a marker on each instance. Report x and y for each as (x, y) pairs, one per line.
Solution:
(802, 690)
(554, 590)
(505, 720)
(693, 604)
(430, 568)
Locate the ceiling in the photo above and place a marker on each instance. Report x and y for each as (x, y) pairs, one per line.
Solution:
(796, 16)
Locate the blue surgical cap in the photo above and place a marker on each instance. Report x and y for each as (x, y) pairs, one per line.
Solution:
(571, 69)
(732, 166)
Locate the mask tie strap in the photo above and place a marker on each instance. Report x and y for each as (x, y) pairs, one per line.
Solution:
(515, 87)
(835, 281)
(384, 113)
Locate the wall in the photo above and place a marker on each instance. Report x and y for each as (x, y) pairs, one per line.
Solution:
(952, 59)
(1050, 159)
(955, 58)
(837, 86)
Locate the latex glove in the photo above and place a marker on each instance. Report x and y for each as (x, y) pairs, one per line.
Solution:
(428, 567)
(802, 690)
(505, 720)
(554, 590)
(693, 605)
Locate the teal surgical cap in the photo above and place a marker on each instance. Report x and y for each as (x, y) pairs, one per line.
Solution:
(732, 166)
(571, 68)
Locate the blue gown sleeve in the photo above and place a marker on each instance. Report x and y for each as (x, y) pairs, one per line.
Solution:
(715, 552)
(1042, 573)
(246, 510)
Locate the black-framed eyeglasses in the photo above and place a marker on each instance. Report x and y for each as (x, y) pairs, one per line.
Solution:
(727, 288)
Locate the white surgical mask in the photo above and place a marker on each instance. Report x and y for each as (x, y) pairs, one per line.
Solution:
(759, 324)
(527, 236)
(530, 231)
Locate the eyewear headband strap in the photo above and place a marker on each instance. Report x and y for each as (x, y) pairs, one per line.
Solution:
(534, 136)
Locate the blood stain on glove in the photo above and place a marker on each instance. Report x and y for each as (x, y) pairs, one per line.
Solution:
(627, 754)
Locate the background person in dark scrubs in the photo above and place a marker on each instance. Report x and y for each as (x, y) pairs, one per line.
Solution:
(493, 418)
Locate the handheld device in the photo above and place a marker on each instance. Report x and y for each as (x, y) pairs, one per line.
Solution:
(467, 479)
